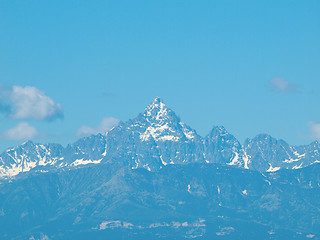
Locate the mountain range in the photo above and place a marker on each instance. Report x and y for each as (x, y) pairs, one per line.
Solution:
(154, 177)
(155, 138)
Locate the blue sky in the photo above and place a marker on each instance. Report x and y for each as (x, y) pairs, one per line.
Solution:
(69, 68)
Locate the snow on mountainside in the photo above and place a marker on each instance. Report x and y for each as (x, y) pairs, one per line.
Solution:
(163, 124)
(28, 156)
(43, 158)
(272, 155)
(155, 138)
(222, 147)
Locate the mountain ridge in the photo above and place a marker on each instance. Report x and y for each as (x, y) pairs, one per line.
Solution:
(155, 138)
(119, 185)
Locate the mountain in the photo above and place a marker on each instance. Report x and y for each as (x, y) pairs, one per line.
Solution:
(154, 177)
(29, 156)
(222, 147)
(155, 138)
(270, 154)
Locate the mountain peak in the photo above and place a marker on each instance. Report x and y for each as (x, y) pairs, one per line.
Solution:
(156, 103)
(163, 124)
(263, 137)
(27, 143)
(158, 110)
(220, 129)
(157, 100)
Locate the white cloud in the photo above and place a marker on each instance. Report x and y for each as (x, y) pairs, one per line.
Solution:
(22, 131)
(282, 85)
(31, 103)
(106, 124)
(314, 129)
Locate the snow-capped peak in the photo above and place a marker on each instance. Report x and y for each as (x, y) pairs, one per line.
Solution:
(163, 124)
(157, 110)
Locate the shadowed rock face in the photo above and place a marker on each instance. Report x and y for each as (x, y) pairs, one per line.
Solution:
(155, 138)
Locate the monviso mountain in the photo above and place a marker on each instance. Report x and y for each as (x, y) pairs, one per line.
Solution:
(154, 177)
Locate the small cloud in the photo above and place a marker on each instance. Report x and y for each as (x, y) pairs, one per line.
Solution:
(282, 85)
(22, 131)
(31, 103)
(105, 125)
(28, 103)
(314, 129)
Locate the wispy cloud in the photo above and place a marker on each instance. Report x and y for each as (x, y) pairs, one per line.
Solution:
(314, 129)
(282, 85)
(29, 103)
(106, 124)
(22, 131)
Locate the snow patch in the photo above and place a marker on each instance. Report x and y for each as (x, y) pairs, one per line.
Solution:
(246, 160)
(163, 162)
(189, 187)
(310, 236)
(297, 167)
(235, 160)
(273, 169)
(85, 162)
